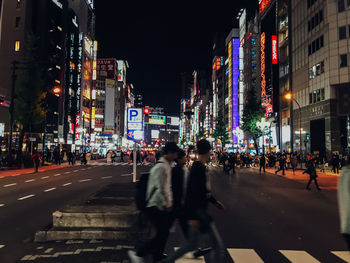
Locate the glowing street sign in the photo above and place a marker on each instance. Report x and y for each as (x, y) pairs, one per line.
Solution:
(274, 49)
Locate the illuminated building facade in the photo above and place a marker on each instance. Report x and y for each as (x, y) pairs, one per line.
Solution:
(269, 69)
(232, 81)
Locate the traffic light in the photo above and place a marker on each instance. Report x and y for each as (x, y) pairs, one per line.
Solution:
(146, 111)
(2, 100)
(307, 136)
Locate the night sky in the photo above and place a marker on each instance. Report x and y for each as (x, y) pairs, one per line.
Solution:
(161, 40)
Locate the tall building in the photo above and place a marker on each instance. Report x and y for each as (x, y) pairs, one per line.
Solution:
(269, 70)
(66, 52)
(138, 103)
(285, 75)
(320, 71)
(232, 83)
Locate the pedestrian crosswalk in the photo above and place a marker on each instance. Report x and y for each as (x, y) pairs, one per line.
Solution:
(241, 255)
(118, 164)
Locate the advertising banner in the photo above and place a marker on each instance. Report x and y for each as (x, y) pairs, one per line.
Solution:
(107, 68)
(160, 120)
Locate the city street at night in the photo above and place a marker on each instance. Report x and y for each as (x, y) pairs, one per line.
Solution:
(195, 131)
(267, 217)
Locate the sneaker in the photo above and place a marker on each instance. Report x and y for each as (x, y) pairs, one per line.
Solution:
(134, 258)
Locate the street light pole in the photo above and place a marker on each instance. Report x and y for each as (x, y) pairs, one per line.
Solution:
(13, 85)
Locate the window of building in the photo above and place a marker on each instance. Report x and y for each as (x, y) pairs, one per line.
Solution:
(308, 26)
(18, 19)
(321, 15)
(316, 96)
(341, 5)
(17, 45)
(18, 4)
(321, 41)
(322, 95)
(342, 32)
(343, 60)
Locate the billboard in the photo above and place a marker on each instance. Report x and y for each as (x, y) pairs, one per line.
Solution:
(263, 4)
(121, 71)
(155, 134)
(110, 105)
(159, 120)
(107, 68)
(274, 49)
(174, 121)
(135, 124)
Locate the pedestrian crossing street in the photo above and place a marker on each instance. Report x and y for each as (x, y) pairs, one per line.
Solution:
(118, 164)
(240, 255)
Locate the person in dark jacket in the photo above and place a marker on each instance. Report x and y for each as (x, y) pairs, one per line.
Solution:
(231, 163)
(36, 161)
(262, 163)
(197, 201)
(311, 170)
(282, 163)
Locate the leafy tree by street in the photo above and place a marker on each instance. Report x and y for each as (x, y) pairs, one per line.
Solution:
(252, 113)
(29, 110)
(221, 132)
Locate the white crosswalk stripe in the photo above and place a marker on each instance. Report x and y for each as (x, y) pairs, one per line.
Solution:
(241, 255)
(298, 256)
(344, 255)
(244, 255)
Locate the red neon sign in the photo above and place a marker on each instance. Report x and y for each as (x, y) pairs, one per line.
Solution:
(274, 49)
(263, 4)
(262, 65)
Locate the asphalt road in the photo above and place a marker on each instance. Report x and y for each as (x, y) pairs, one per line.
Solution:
(268, 218)
(28, 201)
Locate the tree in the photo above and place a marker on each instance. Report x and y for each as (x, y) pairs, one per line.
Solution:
(29, 109)
(220, 131)
(252, 113)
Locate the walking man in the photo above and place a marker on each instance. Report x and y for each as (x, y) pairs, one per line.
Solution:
(36, 161)
(196, 206)
(262, 163)
(282, 165)
(159, 206)
(311, 170)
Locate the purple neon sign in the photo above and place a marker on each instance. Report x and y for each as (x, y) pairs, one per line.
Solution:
(235, 44)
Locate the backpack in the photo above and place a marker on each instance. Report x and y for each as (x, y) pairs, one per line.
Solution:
(141, 199)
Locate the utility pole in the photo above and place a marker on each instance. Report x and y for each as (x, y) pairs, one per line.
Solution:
(13, 85)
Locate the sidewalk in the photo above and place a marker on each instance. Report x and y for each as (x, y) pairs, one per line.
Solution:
(328, 181)
(31, 170)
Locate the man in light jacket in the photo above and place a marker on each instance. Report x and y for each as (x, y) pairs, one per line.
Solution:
(344, 202)
(159, 206)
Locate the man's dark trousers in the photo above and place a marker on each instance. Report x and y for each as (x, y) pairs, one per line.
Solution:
(161, 221)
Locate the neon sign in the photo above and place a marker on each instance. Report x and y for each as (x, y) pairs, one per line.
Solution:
(262, 65)
(274, 49)
(263, 4)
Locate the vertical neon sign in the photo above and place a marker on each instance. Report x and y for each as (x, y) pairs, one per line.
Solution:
(233, 82)
(274, 49)
(262, 66)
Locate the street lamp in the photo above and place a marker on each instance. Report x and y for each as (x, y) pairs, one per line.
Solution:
(289, 97)
(263, 125)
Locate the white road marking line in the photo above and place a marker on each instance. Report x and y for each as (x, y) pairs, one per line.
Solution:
(45, 177)
(344, 255)
(126, 174)
(244, 255)
(25, 197)
(67, 184)
(2, 205)
(298, 256)
(106, 177)
(125, 164)
(50, 189)
(2, 246)
(57, 174)
(83, 169)
(67, 173)
(8, 185)
(89, 168)
(85, 180)
(76, 171)
(28, 181)
(47, 251)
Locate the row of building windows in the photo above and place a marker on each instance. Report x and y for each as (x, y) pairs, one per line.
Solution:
(316, 96)
(316, 70)
(316, 45)
(315, 20)
(341, 5)
(310, 3)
